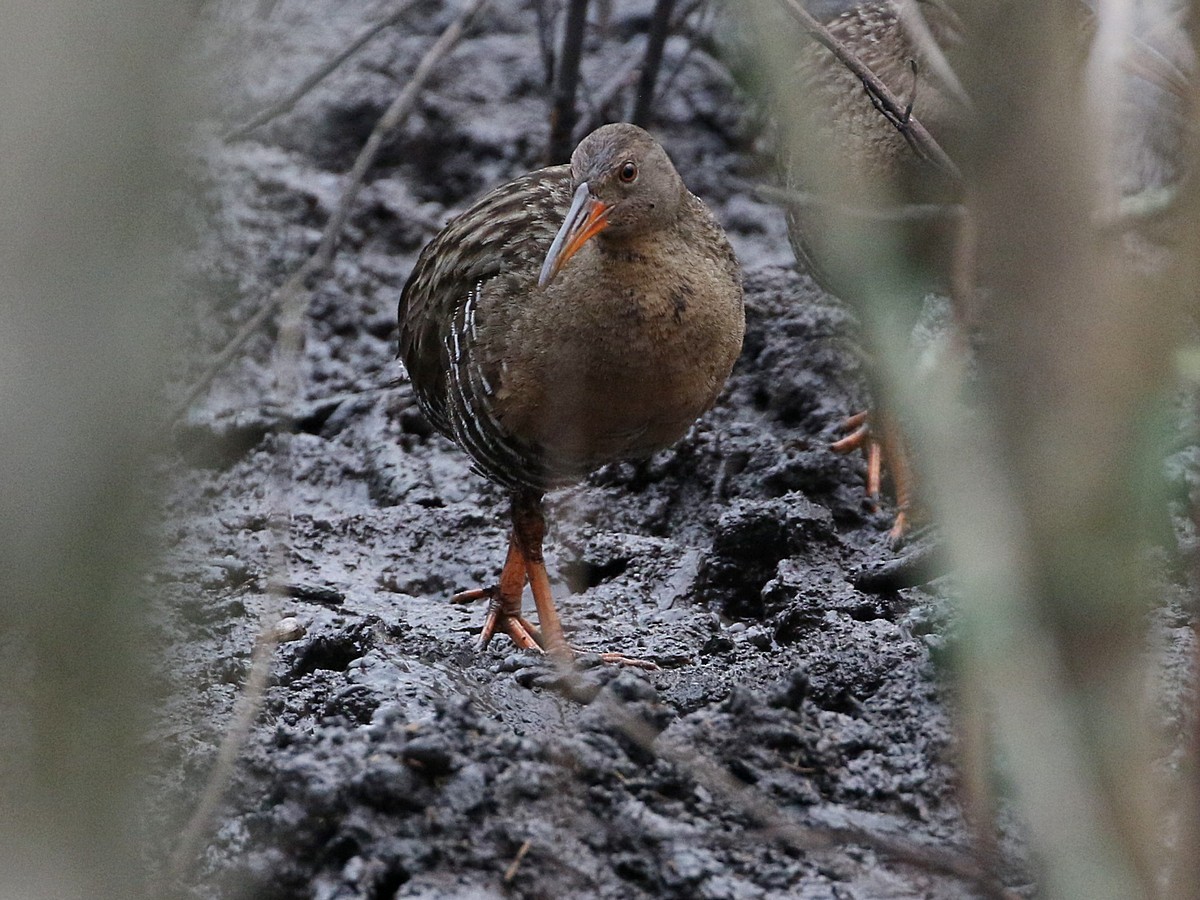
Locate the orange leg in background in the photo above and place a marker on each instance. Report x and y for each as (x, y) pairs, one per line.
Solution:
(887, 444)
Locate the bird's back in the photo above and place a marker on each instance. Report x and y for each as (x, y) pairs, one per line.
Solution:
(505, 234)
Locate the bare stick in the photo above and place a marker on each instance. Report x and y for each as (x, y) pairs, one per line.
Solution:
(660, 26)
(388, 122)
(245, 712)
(893, 109)
(776, 824)
(562, 114)
(917, 29)
(624, 77)
(285, 104)
(295, 290)
(909, 212)
(511, 872)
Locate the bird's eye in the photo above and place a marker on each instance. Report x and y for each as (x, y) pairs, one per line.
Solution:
(628, 172)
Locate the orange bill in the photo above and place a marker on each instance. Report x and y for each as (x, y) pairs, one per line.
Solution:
(586, 218)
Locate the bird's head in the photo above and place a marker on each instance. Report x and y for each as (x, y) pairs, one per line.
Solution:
(625, 186)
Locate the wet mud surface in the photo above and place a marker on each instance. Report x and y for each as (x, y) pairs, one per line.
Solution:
(797, 725)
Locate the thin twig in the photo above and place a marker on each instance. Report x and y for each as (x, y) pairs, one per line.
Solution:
(277, 417)
(660, 26)
(626, 75)
(759, 809)
(245, 712)
(881, 95)
(604, 97)
(563, 114)
(295, 291)
(912, 20)
(286, 104)
(511, 872)
(1131, 211)
(910, 212)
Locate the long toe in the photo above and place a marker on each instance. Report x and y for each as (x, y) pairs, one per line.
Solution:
(520, 631)
(620, 659)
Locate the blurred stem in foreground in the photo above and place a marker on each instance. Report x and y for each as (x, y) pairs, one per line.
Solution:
(1039, 484)
(1186, 278)
(83, 110)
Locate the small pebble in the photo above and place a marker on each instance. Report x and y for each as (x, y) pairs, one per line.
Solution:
(289, 629)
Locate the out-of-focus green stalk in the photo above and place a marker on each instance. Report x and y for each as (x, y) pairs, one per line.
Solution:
(84, 108)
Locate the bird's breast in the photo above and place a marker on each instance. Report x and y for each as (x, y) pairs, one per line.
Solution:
(620, 355)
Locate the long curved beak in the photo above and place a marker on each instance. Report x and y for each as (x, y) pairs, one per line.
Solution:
(586, 218)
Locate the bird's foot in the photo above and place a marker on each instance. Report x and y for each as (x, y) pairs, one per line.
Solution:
(501, 617)
(879, 449)
(526, 635)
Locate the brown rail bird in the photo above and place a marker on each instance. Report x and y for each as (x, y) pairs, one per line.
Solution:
(861, 138)
(911, 46)
(578, 315)
(906, 55)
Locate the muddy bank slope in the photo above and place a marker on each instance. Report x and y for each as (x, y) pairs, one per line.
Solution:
(392, 758)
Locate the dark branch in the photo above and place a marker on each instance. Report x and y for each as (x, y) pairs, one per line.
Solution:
(885, 101)
(563, 114)
(660, 26)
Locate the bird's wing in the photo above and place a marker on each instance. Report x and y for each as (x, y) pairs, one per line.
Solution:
(507, 232)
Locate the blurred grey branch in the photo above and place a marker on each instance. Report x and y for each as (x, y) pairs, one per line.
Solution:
(913, 21)
(286, 103)
(1044, 484)
(294, 292)
(90, 91)
(908, 212)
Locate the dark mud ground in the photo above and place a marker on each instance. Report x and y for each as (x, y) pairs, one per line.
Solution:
(392, 758)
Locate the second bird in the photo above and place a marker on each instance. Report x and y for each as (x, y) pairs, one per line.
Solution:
(575, 316)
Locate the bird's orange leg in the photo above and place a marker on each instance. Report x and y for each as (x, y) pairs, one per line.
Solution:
(525, 561)
(504, 603)
(879, 445)
(529, 528)
(894, 448)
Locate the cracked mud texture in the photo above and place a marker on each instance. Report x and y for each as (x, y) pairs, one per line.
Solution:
(792, 712)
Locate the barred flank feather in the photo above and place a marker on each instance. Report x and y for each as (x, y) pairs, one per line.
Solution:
(506, 233)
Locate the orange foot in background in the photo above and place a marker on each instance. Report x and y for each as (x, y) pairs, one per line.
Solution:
(523, 563)
(889, 446)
